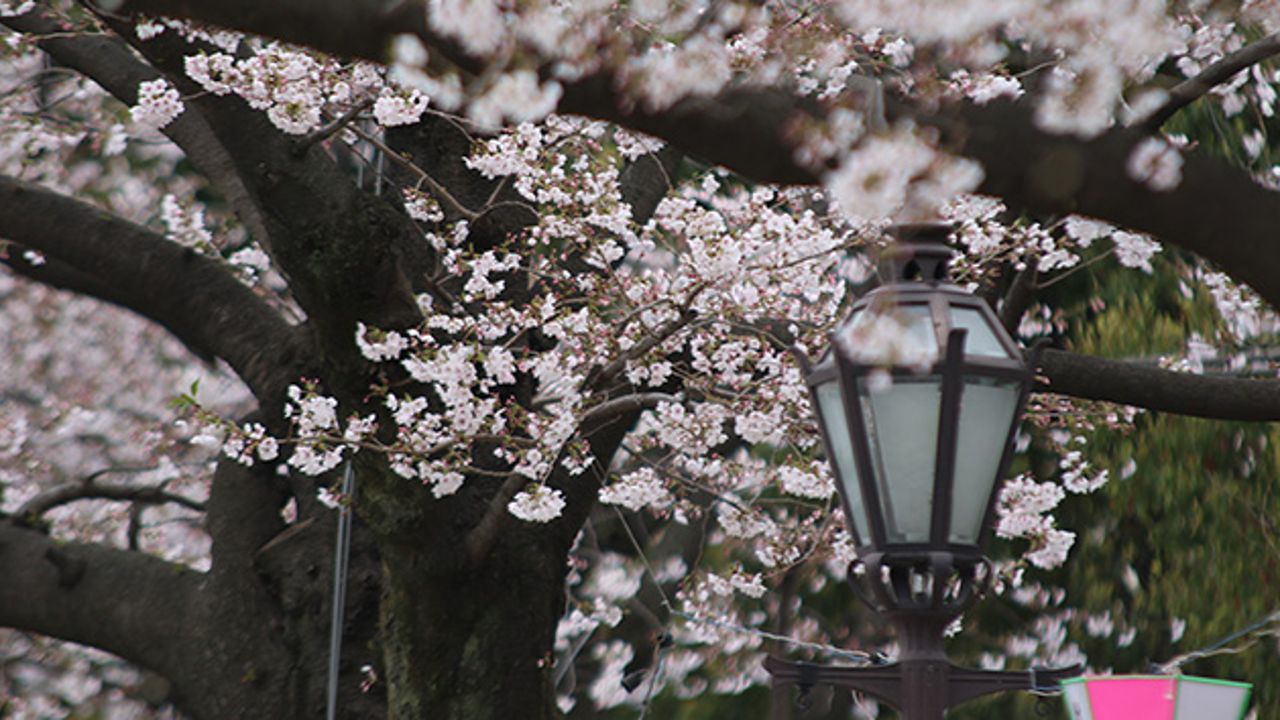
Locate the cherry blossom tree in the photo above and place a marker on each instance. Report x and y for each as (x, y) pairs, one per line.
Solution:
(533, 273)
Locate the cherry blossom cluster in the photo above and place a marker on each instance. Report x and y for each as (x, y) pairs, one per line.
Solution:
(295, 88)
(158, 104)
(1023, 513)
(1240, 309)
(990, 241)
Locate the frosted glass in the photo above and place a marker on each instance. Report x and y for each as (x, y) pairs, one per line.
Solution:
(986, 412)
(837, 426)
(919, 327)
(1076, 696)
(902, 426)
(916, 322)
(1201, 700)
(981, 339)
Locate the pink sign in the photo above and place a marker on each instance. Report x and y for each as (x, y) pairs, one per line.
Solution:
(1155, 697)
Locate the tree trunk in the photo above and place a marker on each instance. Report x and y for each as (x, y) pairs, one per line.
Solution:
(472, 643)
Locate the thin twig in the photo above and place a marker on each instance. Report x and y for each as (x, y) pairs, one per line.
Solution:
(436, 188)
(1073, 270)
(323, 133)
(1252, 632)
(610, 409)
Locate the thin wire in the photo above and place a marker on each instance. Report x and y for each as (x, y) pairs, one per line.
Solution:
(857, 656)
(341, 556)
(666, 602)
(654, 680)
(1217, 647)
(854, 655)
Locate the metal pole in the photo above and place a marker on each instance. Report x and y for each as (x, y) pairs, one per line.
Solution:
(923, 662)
(341, 556)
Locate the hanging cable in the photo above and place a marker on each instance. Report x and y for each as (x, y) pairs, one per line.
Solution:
(1218, 647)
(855, 656)
(341, 556)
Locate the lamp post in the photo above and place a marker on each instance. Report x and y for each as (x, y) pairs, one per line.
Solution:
(919, 398)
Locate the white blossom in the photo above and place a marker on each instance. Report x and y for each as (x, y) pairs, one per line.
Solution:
(380, 345)
(402, 108)
(158, 104)
(1135, 250)
(517, 96)
(1085, 230)
(214, 72)
(10, 8)
(637, 490)
(537, 503)
(804, 483)
(1155, 163)
(184, 225)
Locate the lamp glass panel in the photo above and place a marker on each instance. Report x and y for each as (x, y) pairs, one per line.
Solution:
(986, 416)
(1202, 699)
(1131, 698)
(915, 321)
(836, 425)
(902, 432)
(981, 339)
(1075, 694)
(919, 327)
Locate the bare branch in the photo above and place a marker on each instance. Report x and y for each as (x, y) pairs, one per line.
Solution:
(1191, 89)
(1018, 298)
(1217, 211)
(624, 405)
(1207, 396)
(128, 603)
(352, 28)
(89, 489)
(191, 295)
(323, 133)
(440, 191)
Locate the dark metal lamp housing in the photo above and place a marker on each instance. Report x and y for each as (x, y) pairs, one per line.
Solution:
(919, 399)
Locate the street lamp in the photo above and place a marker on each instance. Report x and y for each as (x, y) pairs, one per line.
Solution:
(919, 398)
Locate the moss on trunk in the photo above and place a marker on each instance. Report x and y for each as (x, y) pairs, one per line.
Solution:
(472, 643)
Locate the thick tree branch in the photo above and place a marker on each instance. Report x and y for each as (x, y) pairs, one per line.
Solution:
(275, 186)
(90, 490)
(342, 250)
(109, 61)
(646, 181)
(244, 514)
(55, 273)
(1191, 89)
(192, 296)
(610, 410)
(127, 603)
(481, 538)
(1217, 211)
(351, 28)
(1207, 396)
